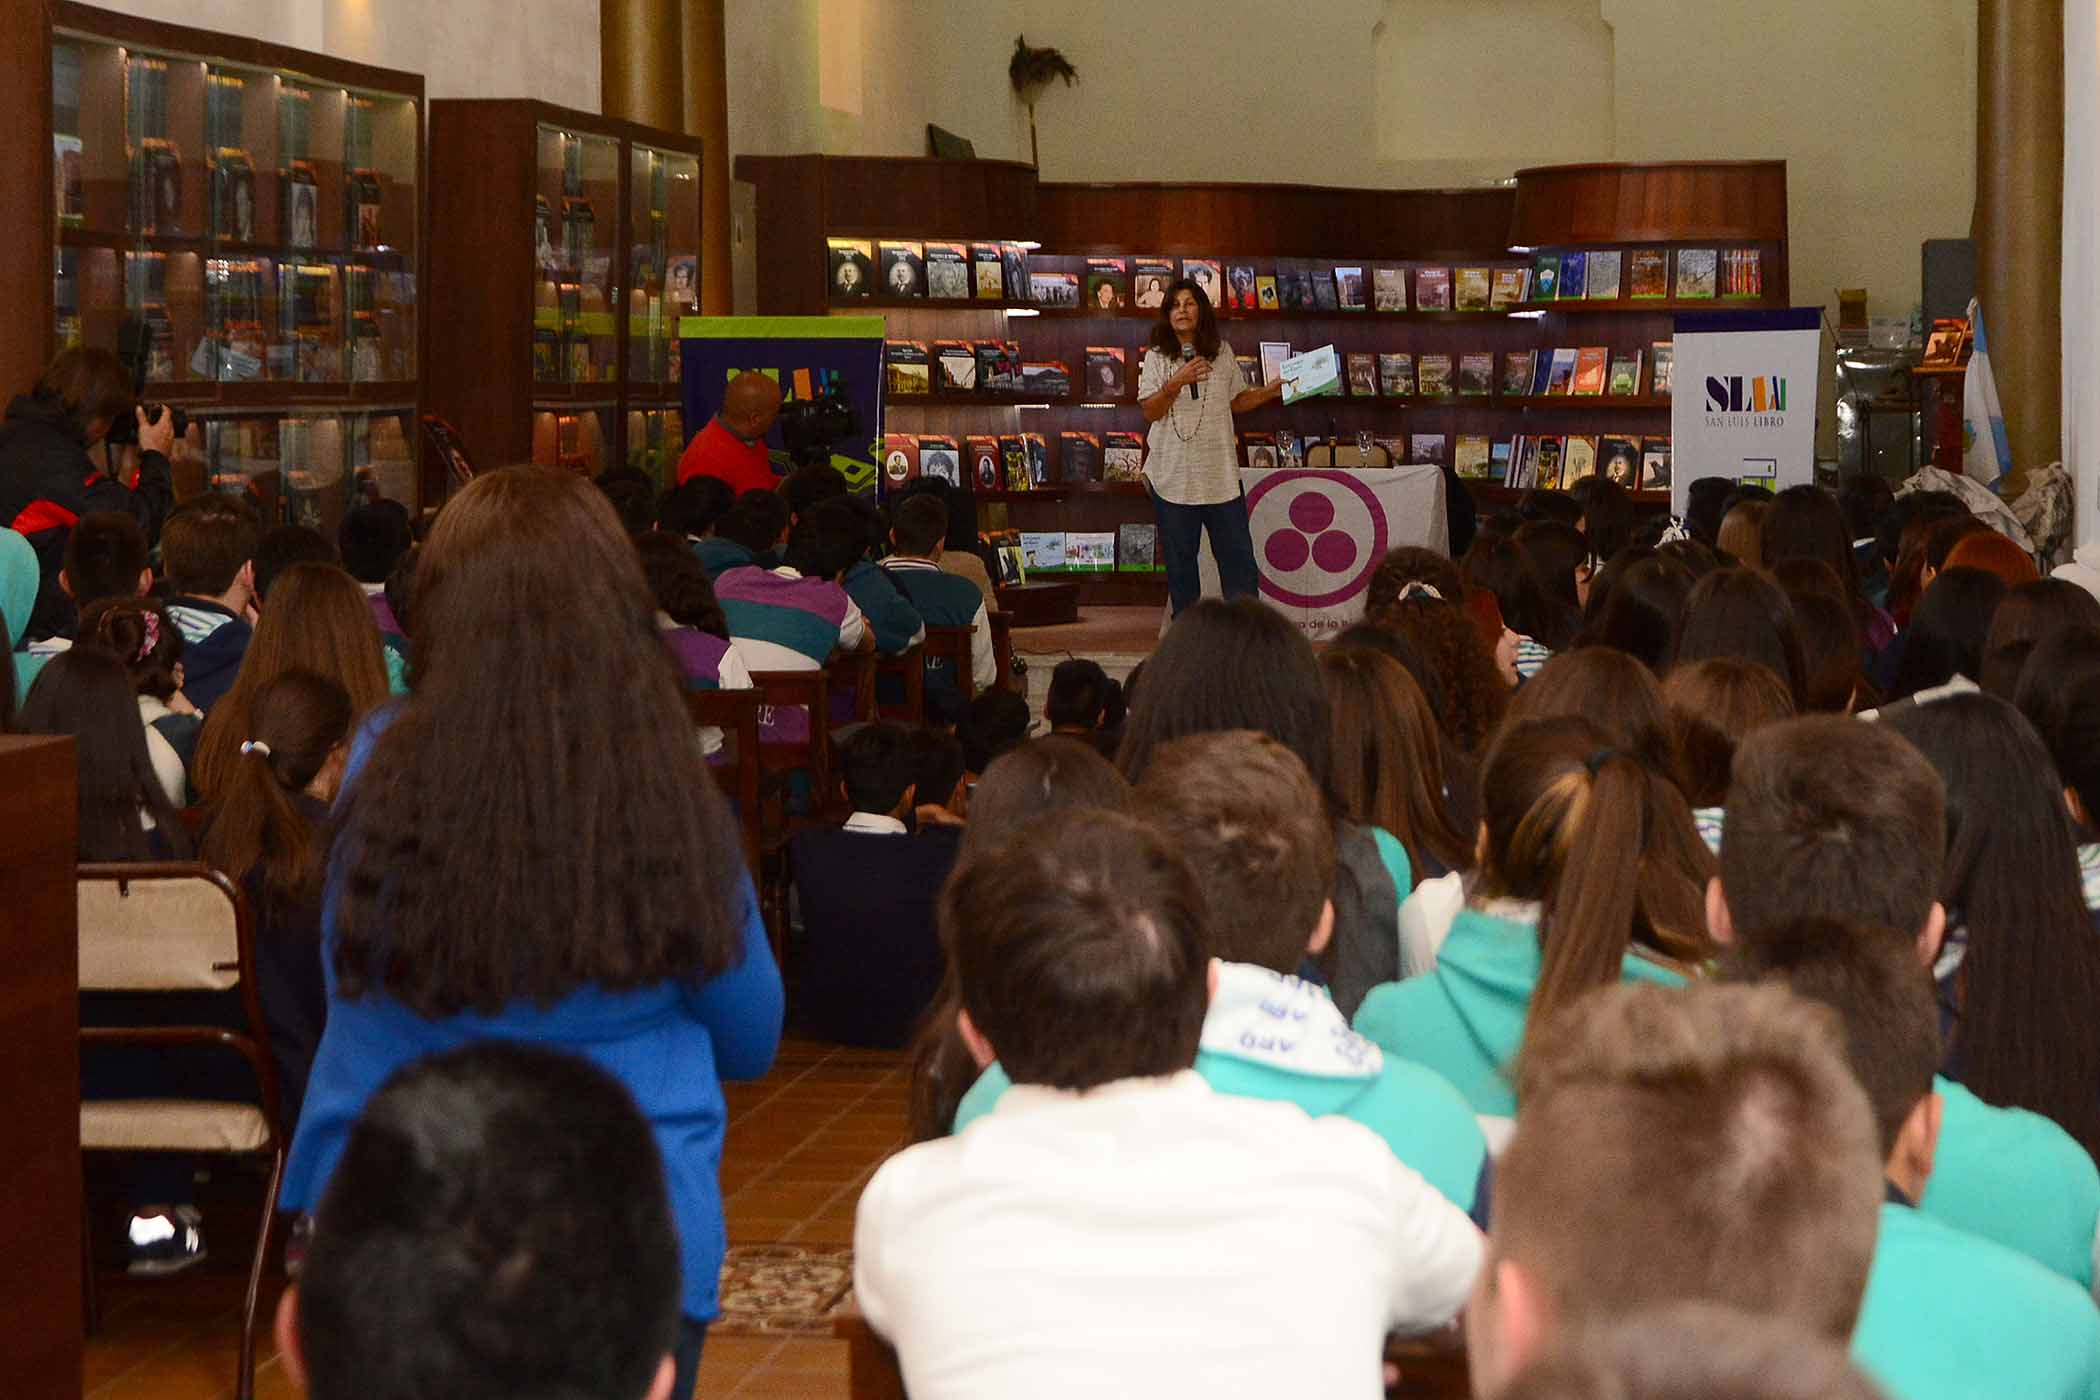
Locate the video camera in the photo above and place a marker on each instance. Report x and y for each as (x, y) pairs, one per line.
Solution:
(810, 427)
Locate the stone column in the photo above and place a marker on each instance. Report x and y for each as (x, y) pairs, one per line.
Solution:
(2018, 223)
(641, 53)
(707, 117)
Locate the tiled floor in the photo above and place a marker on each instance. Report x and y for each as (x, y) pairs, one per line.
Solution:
(802, 1143)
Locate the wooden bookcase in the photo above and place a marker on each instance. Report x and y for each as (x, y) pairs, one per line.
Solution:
(560, 248)
(803, 200)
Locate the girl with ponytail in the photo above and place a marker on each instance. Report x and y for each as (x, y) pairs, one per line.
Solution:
(1591, 873)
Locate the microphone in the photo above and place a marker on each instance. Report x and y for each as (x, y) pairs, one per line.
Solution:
(1188, 353)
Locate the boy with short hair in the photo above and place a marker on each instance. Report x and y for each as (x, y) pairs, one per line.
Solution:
(207, 551)
(1243, 812)
(1836, 819)
(1946, 1313)
(106, 557)
(749, 533)
(918, 532)
(792, 618)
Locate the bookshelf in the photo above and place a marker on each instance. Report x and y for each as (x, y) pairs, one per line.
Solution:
(564, 247)
(1731, 208)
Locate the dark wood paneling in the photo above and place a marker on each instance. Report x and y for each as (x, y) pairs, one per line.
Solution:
(40, 1290)
(26, 214)
(1570, 205)
(1304, 221)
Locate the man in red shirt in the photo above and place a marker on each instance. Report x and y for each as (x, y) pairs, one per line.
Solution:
(732, 446)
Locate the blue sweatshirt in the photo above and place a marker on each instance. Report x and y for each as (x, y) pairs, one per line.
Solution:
(214, 640)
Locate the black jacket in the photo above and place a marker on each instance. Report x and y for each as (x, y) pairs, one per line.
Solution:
(48, 481)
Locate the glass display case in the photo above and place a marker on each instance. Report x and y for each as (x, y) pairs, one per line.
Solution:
(655, 441)
(575, 213)
(664, 224)
(578, 437)
(309, 467)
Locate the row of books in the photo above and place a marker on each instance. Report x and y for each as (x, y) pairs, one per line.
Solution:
(1013, 462)
(913, 370)
(943, 271)
(1127, 549)
(1639, 274)
(1548, 462)
(1587, 370)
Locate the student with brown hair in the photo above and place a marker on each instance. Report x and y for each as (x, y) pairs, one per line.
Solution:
(2027, 615)
(1714, 704)
(1389, 769)
(124, 812)
(1590, 873)
(1448, 639)
(145, 639)
(1743, 613)
(1835, 678)
(1694, 1351)
(207, 550)
(1612, 690)
(1946, 1313)
(1244, 814)
(1093, 1235)
(1835, 819)
(1704, 1143)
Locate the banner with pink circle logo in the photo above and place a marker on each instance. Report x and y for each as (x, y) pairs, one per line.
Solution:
(1319, 534)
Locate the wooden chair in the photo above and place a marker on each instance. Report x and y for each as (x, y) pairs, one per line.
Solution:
(735, 713)
(854, 672)
(1002, 624)
(952, 646)
(779, 762)
(180, 926)
(909, 667)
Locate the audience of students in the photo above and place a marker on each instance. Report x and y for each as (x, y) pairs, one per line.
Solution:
(207, 549)
(751, 532)
(2028, 614)
(124, 810)
(792, 618)
(1946, 634)
(918, 538)
(692, 624)
(1714, 704)
(1741, 614)
(142, 635)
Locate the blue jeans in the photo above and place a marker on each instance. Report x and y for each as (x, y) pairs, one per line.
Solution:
(1181, 530)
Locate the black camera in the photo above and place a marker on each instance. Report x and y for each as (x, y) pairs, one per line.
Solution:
(810, 427)
(135, 353)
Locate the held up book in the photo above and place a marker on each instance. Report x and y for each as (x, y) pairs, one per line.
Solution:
(1619, 460)
(1662, 357)
(1123, 457)
(1545, 277)
(1655, 464)
(956, 361)
(1349, 288)
(1560, 378)
(1106, 377)
(909, 370)
(1625, 377)
(948, 272)
(1396, 374)
(1591, 364)
(1363, 374)
(1433, 375)
(852, 267)
(1695, 273)
(1389, 289)
(900, 458)
(1240, 293)
(990, 275)
(1518, 366)
(1206, 274)
(940, 458)
(1507, 289)
(1476, 372)
(903, 269)
(1106, 284)
(1058, 289)
(1473, 289)
(1469, 457)
(1149, 280)
(1604, 275)
(1432, 289)
(1578, 459)
(1079, 456)
(1647, 274)
(1137, 549)
(1426, 447)
(981, 453)
(1573, 275)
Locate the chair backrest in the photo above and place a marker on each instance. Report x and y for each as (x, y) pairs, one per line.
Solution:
(161, 927)
(854, 672)
(805, 690)
(1346, 455)
(1002, 625)
(735, 713)
(909, 669)
(952, 646)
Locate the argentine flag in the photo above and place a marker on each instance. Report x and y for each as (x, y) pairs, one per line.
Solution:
(1986, 455)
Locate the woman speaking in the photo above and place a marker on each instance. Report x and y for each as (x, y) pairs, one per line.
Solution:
(1190, 386)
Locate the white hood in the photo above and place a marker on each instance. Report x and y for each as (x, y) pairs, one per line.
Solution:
(1284, 1023)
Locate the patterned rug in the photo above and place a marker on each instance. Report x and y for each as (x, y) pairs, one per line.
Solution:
(772, 1290)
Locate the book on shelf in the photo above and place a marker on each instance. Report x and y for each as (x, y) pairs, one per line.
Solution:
(1043, 551)
(1473, 288)
(1090, 551)
(1389, 289)
(1469, 456)
(1476, 372)
(1592, 362)
(998, 366)
(1240, 287)
(1523, 473)
(1293, 285)
(1250, 369)
(1207, 275)
(1695, 274)
(1625, 375)
(1013, 461)
(940, 459)
(1107, 375)
(1433, 376)
(1647, 274)
(1137, 548)
(903, 269)
(948, 271)
(1662, 361)
(1432, 289)
(1395, 448)
(1560, 376)
(1426, 447)
(1107, 284)
(1396, 373)
(1325, 296)
(1742, 273)
(1655, 464)
(1038, 448)
(1578, 458)
(1604, 270)
(1518, 367)
(1545, 277)
(1273, 354)
(1549, 452)
(1498, 459)
(1363, 374)
(1258, 450)
(1574, 275)
(1045, 379)
(1508, 287)
(907, 368)
(981, 451)
(900, 458)
(1349, 289)
(1078, 457)
(1619, 460)
(1055, 289)
(1265, 295)
(1123, 457)
(1013, 568)
(956, 365)
(990, 279)
(1945, 342)
(1149, 280)
(1013, 266)
(852, 266)
(1542, 371)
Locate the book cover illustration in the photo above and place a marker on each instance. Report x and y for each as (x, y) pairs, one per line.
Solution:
(903, 269)
(1545, 277)
(1137, 549)
(1058, 289)
(1013, 461)
(900, 458)
(1259, 450)
(955, 366)
(1591, 365)
(948, 271)
(1619, 460)
(1647, 274)
(1560, 377)
(1518, 367)
(1078, 457)
(1695, 273)
(1432, 289)
(1240, 293)
(1265, 294)
(1107, 284)
(982, 452)
(990, 272)
(1548, 473)
(1742, 273)
(939, 457)
(908, 370)
(1476, 372)
(1123, 457)
(1091, 551)
(1655, 464)
(1396, 374)
(1662, 360)
(1426, 447)
(1149, 280)
(1523, 472)
(1324, 293)
(1625, 376)
(1578, 459)
(1499, 459)
(1273, 354)
(1363, 374)
(1469, 457)
(1574, 276)
(1349, 288)
(1013, 569)
(1013, 267)
(1389, 289)
(1395, 448)
(1038, 448)
(1043, 550)
(1433, 376)
(1250, 369)
(1508, 288)
(1946, 341)
(1208, 277)
(233, 191)
(302, 201)
(1106, 374)
(1049, 379)
(998, 367)
(1474, 289)
(1604, 273)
